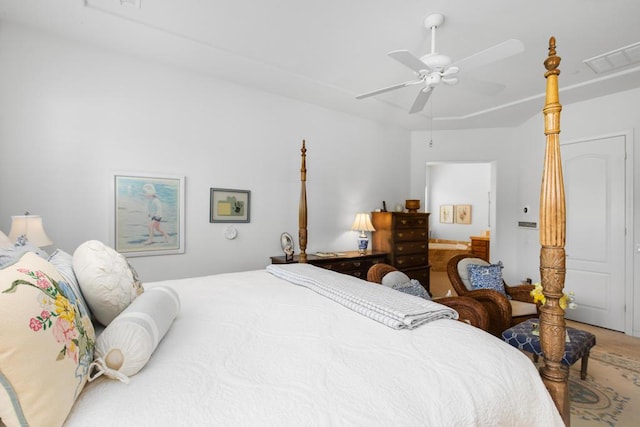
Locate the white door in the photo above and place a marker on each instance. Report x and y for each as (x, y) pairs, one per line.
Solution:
(594, 177)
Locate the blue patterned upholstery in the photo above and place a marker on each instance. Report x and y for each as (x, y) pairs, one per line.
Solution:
(487, 277)
(412, 287)
(521, 336)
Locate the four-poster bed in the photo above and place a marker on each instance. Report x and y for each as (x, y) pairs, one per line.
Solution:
(552, 241)
(251, 348)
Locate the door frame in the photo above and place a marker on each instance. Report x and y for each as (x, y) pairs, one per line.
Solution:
(628, 136)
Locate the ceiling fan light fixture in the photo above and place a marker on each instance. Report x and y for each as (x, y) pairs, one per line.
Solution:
(433, 79)
(450, 80)
(450, 71)
(436, 61)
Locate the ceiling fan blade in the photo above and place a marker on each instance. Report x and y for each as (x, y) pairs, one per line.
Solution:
(495, 53)
(388, 88)
(421, 100)
(408, 59)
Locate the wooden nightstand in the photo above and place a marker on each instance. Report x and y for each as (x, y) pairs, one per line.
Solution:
(350, 262)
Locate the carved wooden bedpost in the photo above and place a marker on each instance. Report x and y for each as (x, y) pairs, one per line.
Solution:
(552, 240)
(302, 208)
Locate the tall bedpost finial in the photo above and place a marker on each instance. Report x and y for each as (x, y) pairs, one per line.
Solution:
(302, 208)
(553, 61)
(552, 240)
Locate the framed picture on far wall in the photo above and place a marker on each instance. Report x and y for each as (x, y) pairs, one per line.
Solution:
(148, 214)
(446, 214)
(229, 205)
(463, 214)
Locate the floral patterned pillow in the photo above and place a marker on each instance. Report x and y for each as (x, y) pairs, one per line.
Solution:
(46, 344)
(486, 277)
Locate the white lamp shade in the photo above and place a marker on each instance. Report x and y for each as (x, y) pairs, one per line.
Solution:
(30, 226)
(362, 223)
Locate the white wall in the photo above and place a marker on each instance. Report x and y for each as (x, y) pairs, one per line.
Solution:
(458, 184)
(519, 155)
(493, 146)
(612, 114)
(72, 114)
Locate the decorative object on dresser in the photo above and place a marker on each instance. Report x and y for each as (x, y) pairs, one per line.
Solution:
(351, 262)
(286, 243)
(405, 236)
(412, 205)
(362, 223)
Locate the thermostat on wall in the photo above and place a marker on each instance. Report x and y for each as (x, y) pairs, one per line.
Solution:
(527, 224)
(230, 233)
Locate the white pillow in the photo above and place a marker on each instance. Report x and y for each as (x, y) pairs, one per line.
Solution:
(395, 278)
(107, 281)
(125, 346)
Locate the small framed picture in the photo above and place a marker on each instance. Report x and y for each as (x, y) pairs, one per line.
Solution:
(148, 214)
(228, 205)
(446, 214)
(463, 214)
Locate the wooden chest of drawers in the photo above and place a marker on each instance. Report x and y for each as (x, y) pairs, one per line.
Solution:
(480, 247)
(405, 236)
(350, 262)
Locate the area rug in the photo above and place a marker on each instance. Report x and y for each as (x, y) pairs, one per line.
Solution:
(609, 396)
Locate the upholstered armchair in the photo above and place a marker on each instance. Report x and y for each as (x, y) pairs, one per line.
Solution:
(469, 310)
(505, 310)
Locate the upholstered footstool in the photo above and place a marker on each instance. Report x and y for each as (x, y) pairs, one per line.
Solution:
(577, 347)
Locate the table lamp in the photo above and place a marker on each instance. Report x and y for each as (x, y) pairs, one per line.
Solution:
(31, 227)
(362, 223)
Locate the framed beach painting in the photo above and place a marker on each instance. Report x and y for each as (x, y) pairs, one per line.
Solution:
(148, 214)
(229, 205)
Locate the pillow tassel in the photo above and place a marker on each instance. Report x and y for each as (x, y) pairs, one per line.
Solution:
(102, 368)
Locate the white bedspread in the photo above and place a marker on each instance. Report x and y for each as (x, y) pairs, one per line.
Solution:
(380, 303)
(249, 349)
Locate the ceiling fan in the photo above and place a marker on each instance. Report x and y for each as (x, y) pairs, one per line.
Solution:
(434, 68)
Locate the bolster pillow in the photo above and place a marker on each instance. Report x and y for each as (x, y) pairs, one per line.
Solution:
(125, 346)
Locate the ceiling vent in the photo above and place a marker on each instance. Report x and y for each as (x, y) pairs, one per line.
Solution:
(131, 3)
(615, 59)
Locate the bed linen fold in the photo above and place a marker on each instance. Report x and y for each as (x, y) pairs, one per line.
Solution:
(385, 305)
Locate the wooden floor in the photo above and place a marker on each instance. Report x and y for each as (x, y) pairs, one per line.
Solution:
(613, 341)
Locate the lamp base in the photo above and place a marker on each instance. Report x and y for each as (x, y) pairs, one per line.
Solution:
(363, 244)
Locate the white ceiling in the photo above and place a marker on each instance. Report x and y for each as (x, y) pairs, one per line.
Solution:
(326, 52)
